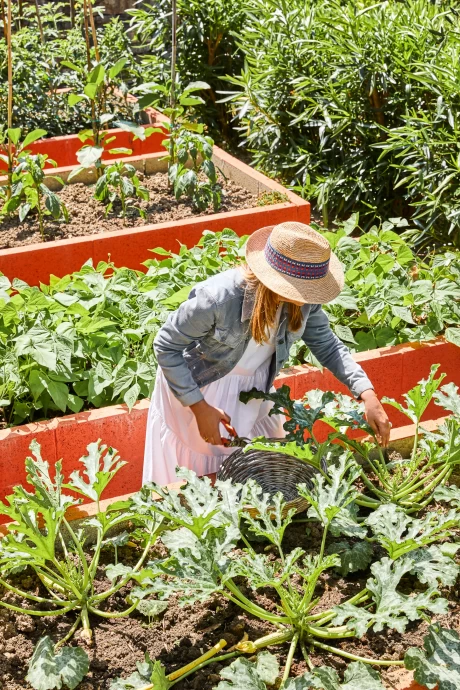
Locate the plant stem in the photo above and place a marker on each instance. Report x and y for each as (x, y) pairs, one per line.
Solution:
(69, 634)
(86, 577)
(213, 660)
(32, 612)
(289, 659)
(108, 614)
(192, 666)
(39, 22)
(353, 657)
(32, 597)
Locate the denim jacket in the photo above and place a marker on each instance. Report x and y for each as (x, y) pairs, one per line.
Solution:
(205, 338)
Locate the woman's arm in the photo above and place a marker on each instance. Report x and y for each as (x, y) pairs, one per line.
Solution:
(194, 319)
(335, 356)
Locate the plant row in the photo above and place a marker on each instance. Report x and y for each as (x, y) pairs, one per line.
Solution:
(391, 520)
(85, 340)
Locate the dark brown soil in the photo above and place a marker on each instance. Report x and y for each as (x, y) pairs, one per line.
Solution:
(87, 215)
(184, 633)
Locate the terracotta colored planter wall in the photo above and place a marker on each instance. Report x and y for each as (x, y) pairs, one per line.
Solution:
(64, 149)
(35, 263)
(393, 370)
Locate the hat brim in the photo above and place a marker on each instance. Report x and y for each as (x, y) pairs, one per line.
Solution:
(307, 291)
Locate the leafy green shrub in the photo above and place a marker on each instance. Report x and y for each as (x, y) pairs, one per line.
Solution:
(85, 340)
(355, 103)
(391, 295)
(41, 68)
(206, 48)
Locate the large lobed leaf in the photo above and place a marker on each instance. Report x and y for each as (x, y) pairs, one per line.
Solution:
(438, 664)
(391, 607)
(49, 669)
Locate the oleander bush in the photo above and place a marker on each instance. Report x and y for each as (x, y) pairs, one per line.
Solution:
(356, 104)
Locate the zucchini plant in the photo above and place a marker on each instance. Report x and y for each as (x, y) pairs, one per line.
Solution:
(409, 483)
(41, 538)
(202, 560)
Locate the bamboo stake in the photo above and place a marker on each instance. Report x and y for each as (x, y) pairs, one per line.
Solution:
(173, 54)
(10, 101)
(172, 94)
(72, 13)
(93, 31)
(20, 14)
(39, 21)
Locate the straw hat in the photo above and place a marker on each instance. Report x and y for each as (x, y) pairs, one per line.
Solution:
(296, 262)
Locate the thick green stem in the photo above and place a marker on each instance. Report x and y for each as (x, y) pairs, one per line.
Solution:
(32, 612)
(354, 657)
(289, 659)
(108, 614)
(32, 597)
(213, 660)
(251, 607)
(69, 634)
(73, 536)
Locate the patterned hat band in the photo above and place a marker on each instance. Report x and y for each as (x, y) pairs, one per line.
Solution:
(295, 269)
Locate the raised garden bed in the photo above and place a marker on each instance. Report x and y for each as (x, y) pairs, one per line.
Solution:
(179, 635)
(393, 370)
(34, 263)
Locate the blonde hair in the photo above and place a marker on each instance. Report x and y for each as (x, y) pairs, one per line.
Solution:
(266, 305)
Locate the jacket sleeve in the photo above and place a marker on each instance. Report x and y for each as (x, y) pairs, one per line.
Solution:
(192, 321)
(332, 353)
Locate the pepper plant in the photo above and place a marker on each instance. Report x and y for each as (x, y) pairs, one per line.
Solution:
(30, 193)
(11, 148)
(119, 181)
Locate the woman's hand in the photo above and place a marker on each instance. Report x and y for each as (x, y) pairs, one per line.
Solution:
(208, 420)
(376, 416)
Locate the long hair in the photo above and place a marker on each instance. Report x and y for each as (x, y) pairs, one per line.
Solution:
(266, 305)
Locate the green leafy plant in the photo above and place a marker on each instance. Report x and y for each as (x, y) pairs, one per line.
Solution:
(391, 295)
(408, 483)
(41, 538)
(85, 340)
(30, 193)
(355, 104)
(11, 148)
(437, 665)
(185, 143)
(202, 560)
(119, 181)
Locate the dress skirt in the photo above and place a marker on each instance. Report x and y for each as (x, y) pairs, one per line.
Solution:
(173, 439)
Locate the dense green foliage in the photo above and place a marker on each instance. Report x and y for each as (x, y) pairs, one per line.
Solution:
(42, 68)
(357, 104)
(86, 339)
(206, 48)
(211, 545)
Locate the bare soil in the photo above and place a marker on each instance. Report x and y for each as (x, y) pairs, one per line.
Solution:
(87, 215)
(182, 634)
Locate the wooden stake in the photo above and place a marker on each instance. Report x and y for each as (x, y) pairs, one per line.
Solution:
(72, 13)
(173, 54)
(93, 31)
(10, 100)
(39, 21)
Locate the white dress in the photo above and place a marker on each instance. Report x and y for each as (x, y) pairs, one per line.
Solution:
(172, 433)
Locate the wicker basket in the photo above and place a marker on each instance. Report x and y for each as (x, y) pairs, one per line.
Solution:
(274, 472)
